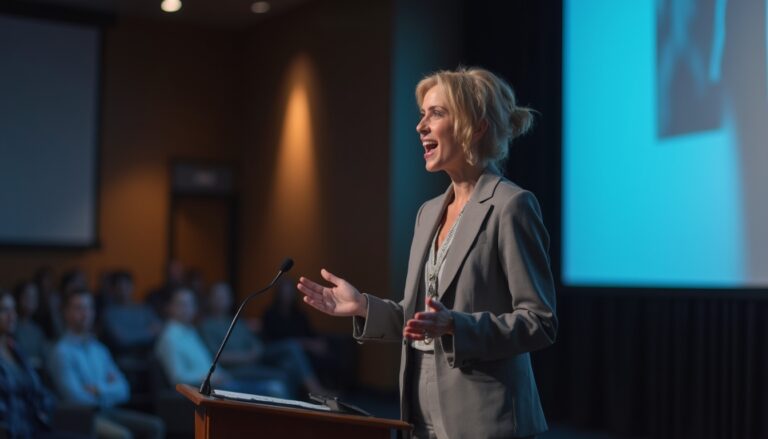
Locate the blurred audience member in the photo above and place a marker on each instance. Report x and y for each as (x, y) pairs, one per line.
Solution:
(85, 373)
(25, 405)
(105, 294)
(332, 357)
(128, 326)
(73, 280)
(243, 350)
(193, 279)
(49, 312)
(29, 337)
(284, 319)
(186, 359)
(246, 352)
(174, 278)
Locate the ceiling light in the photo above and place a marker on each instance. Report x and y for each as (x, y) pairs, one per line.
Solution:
(260, 7)
(170, 5)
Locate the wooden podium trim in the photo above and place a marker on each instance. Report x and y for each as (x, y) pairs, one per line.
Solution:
(201, 401)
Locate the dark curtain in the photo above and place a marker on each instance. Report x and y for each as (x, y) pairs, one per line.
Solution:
(631, 362)
(659, 364)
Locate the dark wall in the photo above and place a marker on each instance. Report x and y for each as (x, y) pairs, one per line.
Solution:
(659, 364)
(426, 37)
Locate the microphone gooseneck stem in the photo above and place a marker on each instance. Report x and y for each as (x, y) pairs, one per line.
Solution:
(205, 387)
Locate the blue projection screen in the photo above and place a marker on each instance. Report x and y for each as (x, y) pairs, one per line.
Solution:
(49, 83)
(665, 143)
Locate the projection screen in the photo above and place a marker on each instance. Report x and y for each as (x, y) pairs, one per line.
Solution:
(665, 134)
(49, 90)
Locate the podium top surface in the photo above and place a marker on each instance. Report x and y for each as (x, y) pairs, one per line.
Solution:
(200, 400)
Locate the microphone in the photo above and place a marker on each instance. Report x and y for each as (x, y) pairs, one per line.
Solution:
(205, 388)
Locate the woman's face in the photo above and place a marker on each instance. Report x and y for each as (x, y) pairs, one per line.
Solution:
(7, 315)
(441, 150)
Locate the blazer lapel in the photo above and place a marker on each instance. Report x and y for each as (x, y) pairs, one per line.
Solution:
(474, 215)
(422, 239)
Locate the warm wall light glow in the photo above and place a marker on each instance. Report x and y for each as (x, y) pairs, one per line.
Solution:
(294, 216)
(170, 5)
(260, 7)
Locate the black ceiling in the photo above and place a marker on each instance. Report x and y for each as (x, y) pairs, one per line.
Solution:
(219, 13)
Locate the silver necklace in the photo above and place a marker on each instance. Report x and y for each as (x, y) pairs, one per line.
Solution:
(435, 261)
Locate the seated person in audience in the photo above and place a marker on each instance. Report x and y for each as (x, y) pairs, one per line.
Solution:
(243, 351)
(159, 297)
(333, 357)
(85, 373)
(26, 406)
(186, 359)
(30, 338)
(248, 351)
(193, 279)
(48, 314)
(129, 327)
(105, 293)
(285, 319)
(73, 280)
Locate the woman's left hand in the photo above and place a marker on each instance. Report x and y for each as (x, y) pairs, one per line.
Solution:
(432, 324)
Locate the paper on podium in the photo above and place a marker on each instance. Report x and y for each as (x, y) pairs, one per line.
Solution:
(247, 397)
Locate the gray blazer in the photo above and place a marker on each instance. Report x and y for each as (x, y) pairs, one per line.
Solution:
(499, 287)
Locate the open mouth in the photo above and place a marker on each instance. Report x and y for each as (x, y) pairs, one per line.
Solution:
(429, 147)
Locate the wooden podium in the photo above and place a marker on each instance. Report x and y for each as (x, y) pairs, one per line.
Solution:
(221, 418)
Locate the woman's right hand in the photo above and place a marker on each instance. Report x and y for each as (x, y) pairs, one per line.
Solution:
(341, 299)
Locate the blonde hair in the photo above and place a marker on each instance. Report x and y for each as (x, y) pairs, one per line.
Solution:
(475, 96)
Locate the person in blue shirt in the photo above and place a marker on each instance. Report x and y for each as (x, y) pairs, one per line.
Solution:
(85, 373)
(130, 327)
(186, 359)
(246, 356)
